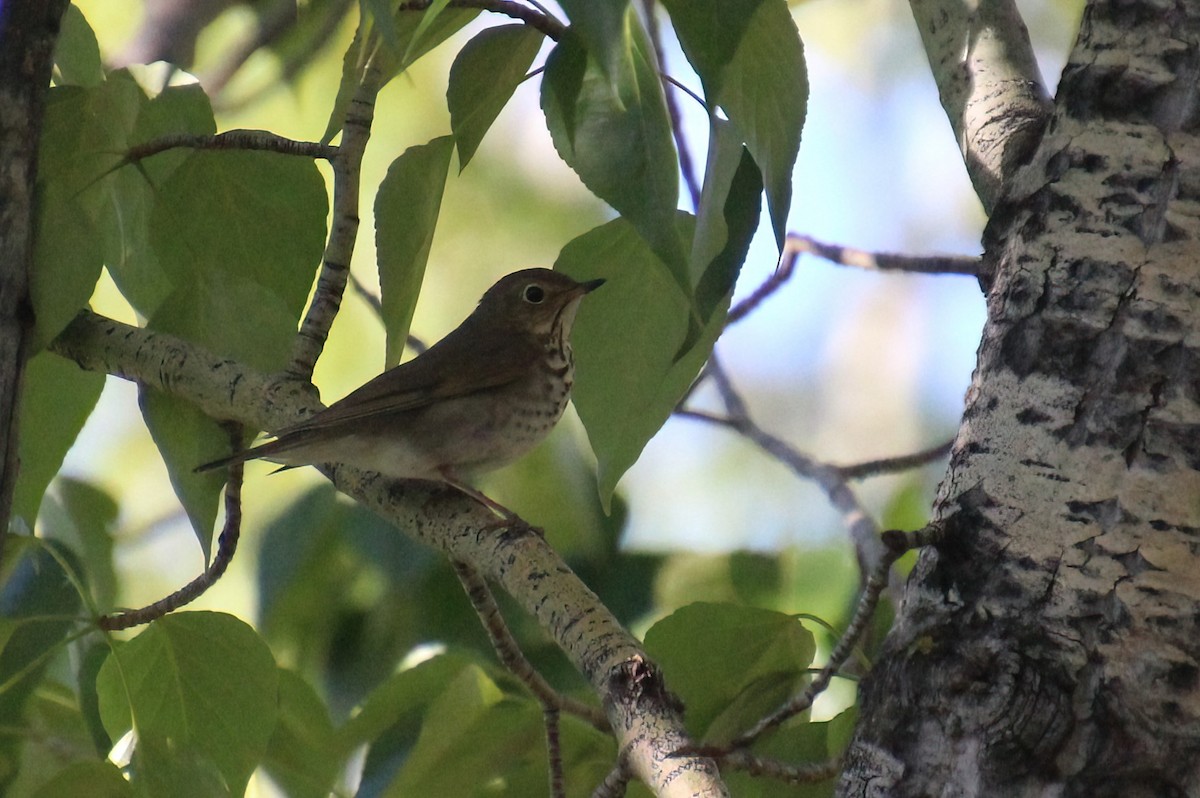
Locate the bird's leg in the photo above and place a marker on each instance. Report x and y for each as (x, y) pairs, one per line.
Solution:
(510, 518)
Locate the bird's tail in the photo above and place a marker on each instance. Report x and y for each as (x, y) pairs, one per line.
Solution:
(265, 450)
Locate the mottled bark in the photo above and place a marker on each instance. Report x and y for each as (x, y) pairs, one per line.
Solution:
(28, 29)
(1051, 644)
(989, 84)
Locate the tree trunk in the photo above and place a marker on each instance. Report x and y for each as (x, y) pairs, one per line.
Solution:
(28, 29)
(1050, 645)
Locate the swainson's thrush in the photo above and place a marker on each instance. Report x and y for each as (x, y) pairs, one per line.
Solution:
(478, 399)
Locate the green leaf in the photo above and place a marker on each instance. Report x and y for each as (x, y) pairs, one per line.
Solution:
(419, 35)
(66, 263)
(401, 701)
(472, 734)
(406, 214)
(630, 373)
(257, 215)
(87, 780)
(38, 604)
(729, 663)
(125, 221)
(231, 317)
(482, 79)
(302, 758)
(83, 517)
(602, 29)
(750, 59)
(353, 61)
(186, 437)
(727, 219)
(400, 48)
(84, 134)
(616, 135)
(428, 18)
(200, 690)
(57, 400)
(76, 52)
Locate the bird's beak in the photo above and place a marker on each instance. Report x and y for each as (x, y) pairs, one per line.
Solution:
(590, 286)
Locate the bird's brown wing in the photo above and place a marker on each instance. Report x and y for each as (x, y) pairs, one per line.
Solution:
(461, 365)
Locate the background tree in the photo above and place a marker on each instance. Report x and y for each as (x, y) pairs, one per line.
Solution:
(198, 243)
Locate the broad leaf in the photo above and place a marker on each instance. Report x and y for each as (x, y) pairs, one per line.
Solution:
(472, 734)
(729, 663)
(37, 603)
(602, 29)
(200, 690)
(66, 263)
(84, 133)
(256, 215)
(482, 79)
(406, 213)
(76, 51)
(87, 780)
(399, 49)
(58, 398)
(302, 757)
(124, 222)
(616, 135)
(83, 516)
(231, 317)
(630, 371)
(750, 59)
(728, 217)
(402, 700)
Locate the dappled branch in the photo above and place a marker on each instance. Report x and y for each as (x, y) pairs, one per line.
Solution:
(647, 722)
(335, 263)
(989, 84)
(261, 140)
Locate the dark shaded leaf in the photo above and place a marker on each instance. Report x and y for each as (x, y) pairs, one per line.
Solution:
(57, 400)
(482, 79)
(201, 689)
(616, 135)
(406, 213)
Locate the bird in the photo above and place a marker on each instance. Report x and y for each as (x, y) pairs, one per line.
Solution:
(478, 399)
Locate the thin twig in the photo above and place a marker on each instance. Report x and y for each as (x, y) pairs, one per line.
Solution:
(686, 167)
(335, 262)
(889, 465)
(414, 343)
(226, 548)
(533, 17)
(884, 261)
(558, 788)
(863, 531)
(787, 265)
(509, 652)
(614, 783)
(896, 543)
(259, 140)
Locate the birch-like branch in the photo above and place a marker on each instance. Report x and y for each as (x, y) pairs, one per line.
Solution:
(335, 263)
(647, 722)
(989, 84)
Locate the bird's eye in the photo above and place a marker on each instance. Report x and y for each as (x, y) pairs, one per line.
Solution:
(534, 294)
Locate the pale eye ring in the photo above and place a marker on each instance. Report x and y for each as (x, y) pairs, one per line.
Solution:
(534, 294)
